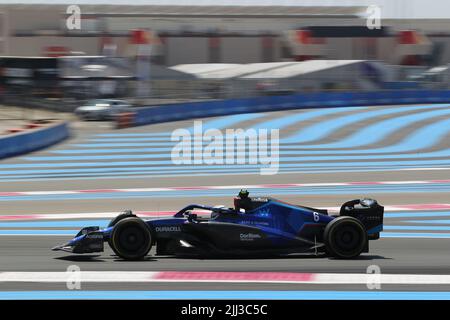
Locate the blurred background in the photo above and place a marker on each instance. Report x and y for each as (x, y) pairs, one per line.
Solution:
(156, 52)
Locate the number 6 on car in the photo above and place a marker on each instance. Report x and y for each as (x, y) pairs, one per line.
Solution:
(316, 217)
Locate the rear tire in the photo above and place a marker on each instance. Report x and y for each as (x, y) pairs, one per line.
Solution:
(345, 237)
(131, 239)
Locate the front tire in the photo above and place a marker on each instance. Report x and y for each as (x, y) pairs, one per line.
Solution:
(345, 237)
(131, 239)
(125, 214)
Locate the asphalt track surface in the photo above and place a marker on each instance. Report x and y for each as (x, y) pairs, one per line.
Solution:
(364, 146)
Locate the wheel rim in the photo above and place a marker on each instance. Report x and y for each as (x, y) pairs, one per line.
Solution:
(348, 239)
(132, 240)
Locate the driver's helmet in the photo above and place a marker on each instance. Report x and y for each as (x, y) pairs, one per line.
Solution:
(243, 194)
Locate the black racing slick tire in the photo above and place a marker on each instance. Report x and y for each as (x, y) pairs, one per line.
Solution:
(123, 215)
(131, 239)
(345, 237)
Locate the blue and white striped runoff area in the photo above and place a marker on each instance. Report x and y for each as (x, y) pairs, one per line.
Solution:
(313, 140)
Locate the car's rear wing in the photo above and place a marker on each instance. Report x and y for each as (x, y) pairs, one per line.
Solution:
(368, 211)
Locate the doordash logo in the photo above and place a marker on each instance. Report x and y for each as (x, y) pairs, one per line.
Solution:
(249, 236)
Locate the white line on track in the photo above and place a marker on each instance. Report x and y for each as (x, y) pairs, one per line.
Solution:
(229, 187)
(224, 277)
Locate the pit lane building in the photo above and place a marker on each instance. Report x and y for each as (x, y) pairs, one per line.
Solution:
(233, 34)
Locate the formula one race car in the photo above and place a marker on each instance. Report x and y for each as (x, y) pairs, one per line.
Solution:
(256, 225)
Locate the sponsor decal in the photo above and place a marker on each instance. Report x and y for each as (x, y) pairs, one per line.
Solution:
(370, 218)
(168, 229)
(94, 236)
(249, 236)
(264, 212)
(255, 222)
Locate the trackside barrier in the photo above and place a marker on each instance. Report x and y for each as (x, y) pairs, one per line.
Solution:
(125, 120)
(33, 139)
(183, 111)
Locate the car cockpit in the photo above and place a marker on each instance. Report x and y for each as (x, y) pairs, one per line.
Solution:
(246, 204)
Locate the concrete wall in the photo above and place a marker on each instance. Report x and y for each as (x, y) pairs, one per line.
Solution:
(188, 50)
(33, 139)
(35, 46)
(240, 50)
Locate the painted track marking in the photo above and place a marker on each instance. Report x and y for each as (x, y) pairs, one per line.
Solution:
(224, 277)
(229, 187)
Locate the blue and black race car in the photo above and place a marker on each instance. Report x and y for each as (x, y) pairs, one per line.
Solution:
(256, 225)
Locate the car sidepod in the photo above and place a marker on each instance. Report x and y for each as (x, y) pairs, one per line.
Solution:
(168, 233)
